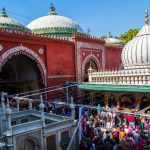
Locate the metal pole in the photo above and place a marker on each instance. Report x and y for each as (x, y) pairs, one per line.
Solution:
(47, 91)
(80, 126)
(75, 131)
(67, 95)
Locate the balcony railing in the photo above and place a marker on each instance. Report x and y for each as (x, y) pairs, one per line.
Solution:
(25, 127)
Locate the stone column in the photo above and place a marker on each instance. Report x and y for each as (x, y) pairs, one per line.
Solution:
(58, 140)
(9, 141)
(9, 137)
(44, 142)
(8, 115)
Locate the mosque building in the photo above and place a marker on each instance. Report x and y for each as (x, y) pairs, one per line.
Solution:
(130, 85)
(50, 50)
(53, 50)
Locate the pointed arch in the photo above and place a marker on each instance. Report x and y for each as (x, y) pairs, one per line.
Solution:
(87, 59)
(27, 52)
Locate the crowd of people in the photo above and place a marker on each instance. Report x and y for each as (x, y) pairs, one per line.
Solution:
(114, 131)
(125, 101)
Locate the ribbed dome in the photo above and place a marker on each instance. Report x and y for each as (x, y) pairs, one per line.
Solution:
(10, 24)
(54, 24)
(136, 53)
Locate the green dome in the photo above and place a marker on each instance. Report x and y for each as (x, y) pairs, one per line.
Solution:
(54, 24)
(11, 24)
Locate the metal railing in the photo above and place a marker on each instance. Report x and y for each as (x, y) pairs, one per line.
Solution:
(25, 127)
(75, 139)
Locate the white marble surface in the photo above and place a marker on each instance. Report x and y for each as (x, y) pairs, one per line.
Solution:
(51, 21)
(137, 51)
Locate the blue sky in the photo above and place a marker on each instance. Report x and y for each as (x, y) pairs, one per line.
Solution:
(100, 16)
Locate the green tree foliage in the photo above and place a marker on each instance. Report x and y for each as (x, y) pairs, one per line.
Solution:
(129, 35)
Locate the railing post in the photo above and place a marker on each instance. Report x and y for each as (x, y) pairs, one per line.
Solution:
(17, 103)
(8, 114)
(80, 126)
(3, 102)
(30, 104)
(42, 110)
(9, 127)
(72, 106)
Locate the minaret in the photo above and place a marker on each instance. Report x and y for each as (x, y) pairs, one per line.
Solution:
(146, 18)
(3, 14)
(52, 10)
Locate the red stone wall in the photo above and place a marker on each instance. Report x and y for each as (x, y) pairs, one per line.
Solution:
(87, 48)
(113, 57)
(60, 63)
(8, 41)
(60, 56)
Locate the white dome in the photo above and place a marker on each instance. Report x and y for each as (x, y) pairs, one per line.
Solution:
(136, 53)
(10, 24)
(52, 21)
(7, 20)
(53, 24)
(110, 40)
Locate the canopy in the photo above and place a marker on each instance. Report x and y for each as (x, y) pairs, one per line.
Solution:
(115, 88)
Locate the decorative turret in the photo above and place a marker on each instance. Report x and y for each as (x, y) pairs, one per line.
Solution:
(3, 14)
(90, 68)
(109, 35)
(146, 18)
(52, 10)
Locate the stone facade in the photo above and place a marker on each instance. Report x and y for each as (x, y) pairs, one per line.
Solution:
(50, 54)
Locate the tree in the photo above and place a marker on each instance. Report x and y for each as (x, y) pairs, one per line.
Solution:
(129, 35)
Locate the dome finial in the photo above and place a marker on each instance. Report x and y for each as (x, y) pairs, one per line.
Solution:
(146, 17)
(52, 10)
(3, 14)
(109, 35)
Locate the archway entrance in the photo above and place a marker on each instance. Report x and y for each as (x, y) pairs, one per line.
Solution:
(29, 145)
(20, 74)
(87, 65)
